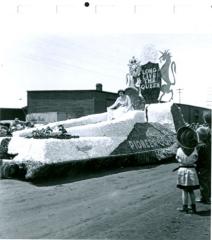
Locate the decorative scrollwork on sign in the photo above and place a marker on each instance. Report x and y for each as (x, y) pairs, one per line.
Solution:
(167, 65)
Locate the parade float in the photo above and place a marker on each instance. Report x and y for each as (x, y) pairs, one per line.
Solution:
(144, 135)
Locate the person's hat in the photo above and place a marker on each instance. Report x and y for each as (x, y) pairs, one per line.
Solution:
(187, 137)
(203, 133)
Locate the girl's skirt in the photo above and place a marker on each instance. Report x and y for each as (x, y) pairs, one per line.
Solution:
(187, 178)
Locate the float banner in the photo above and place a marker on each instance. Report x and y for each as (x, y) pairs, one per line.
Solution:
(146, 137)
(150, 82)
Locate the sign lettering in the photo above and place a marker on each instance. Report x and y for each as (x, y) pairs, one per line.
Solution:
(145, 137)
(149, 143)
(150, 82)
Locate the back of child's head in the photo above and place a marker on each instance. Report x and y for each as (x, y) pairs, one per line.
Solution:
(203, 134)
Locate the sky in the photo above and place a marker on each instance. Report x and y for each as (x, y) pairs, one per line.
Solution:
(69, 55)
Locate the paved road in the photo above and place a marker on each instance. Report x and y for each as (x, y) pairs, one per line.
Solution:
(135, 204)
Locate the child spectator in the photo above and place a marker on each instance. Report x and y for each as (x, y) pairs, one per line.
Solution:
(187, 155)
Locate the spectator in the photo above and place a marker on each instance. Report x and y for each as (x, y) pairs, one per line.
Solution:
(204, 160)
(187, 155)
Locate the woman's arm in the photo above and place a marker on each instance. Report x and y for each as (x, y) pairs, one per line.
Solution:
(116, 103)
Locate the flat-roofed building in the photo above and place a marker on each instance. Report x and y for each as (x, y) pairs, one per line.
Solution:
(56, 105)
(12, 113)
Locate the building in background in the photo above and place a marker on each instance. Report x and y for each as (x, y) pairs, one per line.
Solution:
(56, 105)
(12, 113)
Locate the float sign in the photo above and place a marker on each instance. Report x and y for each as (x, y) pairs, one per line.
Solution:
(146, 137)
(150, 76)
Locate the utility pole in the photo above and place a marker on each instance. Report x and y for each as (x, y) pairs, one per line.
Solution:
(179, 92)
(20, 99)
(209, 97)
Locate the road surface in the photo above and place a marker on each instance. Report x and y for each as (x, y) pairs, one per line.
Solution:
(139, 203)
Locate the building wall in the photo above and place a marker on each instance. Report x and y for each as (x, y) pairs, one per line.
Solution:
(77, 103)
(46, 117)
(104, 100)
(12, 113)
(72, 103)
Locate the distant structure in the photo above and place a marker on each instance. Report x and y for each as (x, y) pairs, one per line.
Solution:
(57, 105)
(12, 113)
(179, 93)
(51, 106)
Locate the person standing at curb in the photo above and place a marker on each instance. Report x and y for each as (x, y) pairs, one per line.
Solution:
(204, 160)
(187, 179)
(204, 164)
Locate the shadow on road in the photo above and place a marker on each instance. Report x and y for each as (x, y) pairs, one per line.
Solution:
(86, 174)
(204, 213)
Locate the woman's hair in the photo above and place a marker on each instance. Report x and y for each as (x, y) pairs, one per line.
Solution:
(121, 91)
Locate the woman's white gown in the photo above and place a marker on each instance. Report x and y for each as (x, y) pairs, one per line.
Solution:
(120, 107)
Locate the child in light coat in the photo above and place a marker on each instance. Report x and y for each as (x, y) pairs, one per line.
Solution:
(187, 179)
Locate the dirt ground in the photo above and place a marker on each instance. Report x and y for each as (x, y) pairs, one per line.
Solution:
(136, 204)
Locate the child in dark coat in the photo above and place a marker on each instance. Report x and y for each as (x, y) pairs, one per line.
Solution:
(204, 163)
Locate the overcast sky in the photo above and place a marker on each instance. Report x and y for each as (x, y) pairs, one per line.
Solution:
(34, 57)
